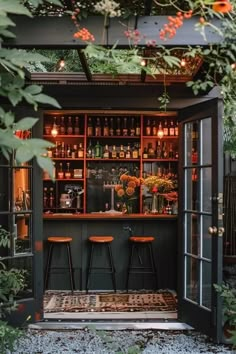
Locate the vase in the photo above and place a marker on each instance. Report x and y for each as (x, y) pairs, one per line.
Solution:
(154, 205)
(157, 204)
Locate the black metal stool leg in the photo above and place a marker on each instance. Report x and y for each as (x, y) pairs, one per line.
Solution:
(112, 267)
(153, 264)
(129, 266)
(89, 267)
(71, 270)
(48, 266)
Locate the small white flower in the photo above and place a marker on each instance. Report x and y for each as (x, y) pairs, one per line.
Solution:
(108, 7)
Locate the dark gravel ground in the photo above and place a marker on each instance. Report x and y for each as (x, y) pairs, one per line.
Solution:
(89, 341)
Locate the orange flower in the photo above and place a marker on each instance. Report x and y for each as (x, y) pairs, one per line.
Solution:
(222, 6)
(124, 178)
(84, 35)
(120, 192)
(130, 191)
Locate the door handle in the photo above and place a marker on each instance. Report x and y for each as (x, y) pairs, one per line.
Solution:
(212, 230)
(221, 231)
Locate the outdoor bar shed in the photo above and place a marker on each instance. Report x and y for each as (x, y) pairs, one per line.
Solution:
(111, 125)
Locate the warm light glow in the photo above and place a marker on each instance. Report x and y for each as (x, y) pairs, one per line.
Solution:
(143, 62)
(233, 66)
(183, 62)
(54, 130)
(160, 132)
(61, 64)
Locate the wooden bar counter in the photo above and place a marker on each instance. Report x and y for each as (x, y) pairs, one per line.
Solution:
(81, 226)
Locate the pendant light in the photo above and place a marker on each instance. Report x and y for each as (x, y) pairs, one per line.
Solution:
(54, 130)
(160, 132)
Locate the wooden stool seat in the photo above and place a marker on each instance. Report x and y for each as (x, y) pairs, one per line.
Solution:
(101, 239)
(59, 239)
(141, 239)
(96, 243)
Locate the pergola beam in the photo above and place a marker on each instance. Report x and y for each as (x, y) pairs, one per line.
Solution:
(57, 32)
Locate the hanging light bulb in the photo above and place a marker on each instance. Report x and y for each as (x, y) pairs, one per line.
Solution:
(160, 132)
(54, 130)
(183, 62)
(143, 62)
(60, 65)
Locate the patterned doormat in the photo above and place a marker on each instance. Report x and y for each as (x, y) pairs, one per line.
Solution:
(107, 302)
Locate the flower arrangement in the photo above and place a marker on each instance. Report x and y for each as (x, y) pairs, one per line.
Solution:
(156, 184)
(127, 189)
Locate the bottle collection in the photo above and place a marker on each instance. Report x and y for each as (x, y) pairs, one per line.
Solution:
(64, 125)
(113, 126)
(150, 144)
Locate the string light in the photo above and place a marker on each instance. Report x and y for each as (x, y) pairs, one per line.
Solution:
(183, 62)
(233, 66)
(54, 130)
(60, 65)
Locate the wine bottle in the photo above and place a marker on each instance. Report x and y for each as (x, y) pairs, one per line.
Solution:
(80, 151)
(76, 126)
(68, 172)
(125, 127)
(105, 127)
(62, 128)
(118, 130)
(132, 127)
(98, 150)
(69, 128)
(111, 127)
(90, 127)
(148, 128)
(98, 128)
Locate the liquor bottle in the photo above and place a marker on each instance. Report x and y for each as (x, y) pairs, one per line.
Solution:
(128, 152)
(45, 197)
(56, 151)
(105, 127)
(76, 126)
(111, 127)
(122, 152)
(98, 128)
(138, 129)
(118, 130)
(49, 153)
(90, 127)
(113, 152)
(145, 153)
(68, 172)
(69, 128)
(154, 128)
(151, 151)
(89, 150)
(132, 127)
(125, 127)
(68, 151)
(164, 152)
(176, 129)
(80, 151)
(158, 150)
(74, 152)
(62, 152)
(135, 152)
(98, 150)
(171, 152)
(165, 128)
(60, 173)
(148, 128)
(177, 154)
(106, 152)
(171, 128)
(62, 128)
(51, 198)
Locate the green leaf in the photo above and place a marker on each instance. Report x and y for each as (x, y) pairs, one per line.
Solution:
(6, 33)
(14, 6)
(46, 164)
(6, 21)
(42, 98)
(15, 97)
(25, 123)
(38, 144)
(23, 154)
(33, 89)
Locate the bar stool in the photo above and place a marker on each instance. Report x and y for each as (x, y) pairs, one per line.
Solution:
(101, 241)
(137, 243)
(59, 240)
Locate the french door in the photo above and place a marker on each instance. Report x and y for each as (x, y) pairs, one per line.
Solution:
(21, 217)
(200, 212)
